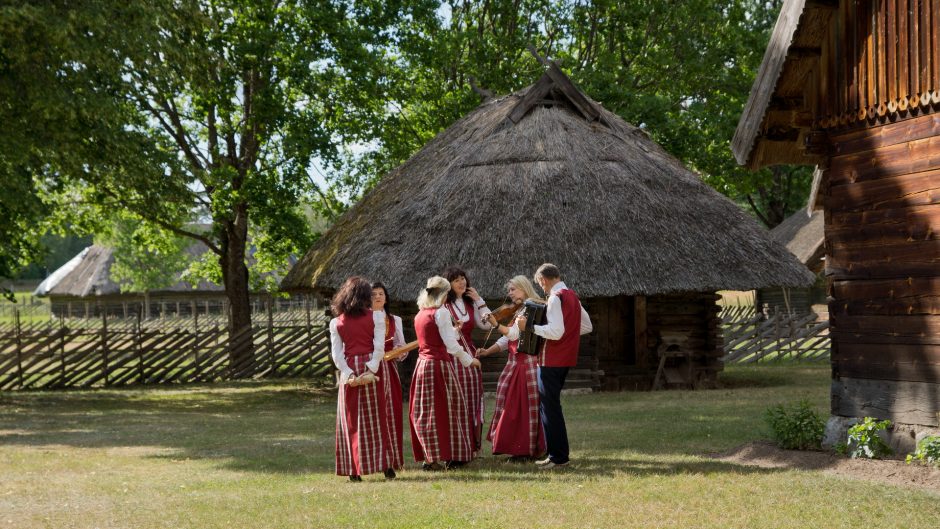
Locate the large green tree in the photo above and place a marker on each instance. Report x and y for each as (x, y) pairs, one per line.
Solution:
(681, 70)
(163, 110)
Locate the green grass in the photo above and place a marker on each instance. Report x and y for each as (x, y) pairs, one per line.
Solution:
(261, 455)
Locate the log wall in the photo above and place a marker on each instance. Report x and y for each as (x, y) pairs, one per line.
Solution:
(883, 263)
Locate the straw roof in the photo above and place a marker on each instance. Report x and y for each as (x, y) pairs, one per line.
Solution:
(547, 175)
(802, 234)
(89, 274)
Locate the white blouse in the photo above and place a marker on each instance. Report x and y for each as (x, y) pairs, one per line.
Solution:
(338, 348)
(511, 335)
(398, 339)
(445, 325)
(460, 310)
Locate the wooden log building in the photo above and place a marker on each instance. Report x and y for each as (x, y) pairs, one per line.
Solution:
(853, 86)
(803, 236)
(548, 175)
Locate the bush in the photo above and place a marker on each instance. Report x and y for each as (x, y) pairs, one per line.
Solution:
(865, 442)
(797, 427)
(928, 451)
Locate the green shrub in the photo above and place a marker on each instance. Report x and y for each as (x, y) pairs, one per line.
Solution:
(865, 442)
(795, 427)
(928, 451)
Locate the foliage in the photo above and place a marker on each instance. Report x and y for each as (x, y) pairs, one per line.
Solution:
(864, 440)
(795, 427)
(928, 451)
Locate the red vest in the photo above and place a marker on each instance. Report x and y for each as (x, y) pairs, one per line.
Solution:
(466, 328)
(564, 351)
(389, 332)
(357, 333)
(430, 343)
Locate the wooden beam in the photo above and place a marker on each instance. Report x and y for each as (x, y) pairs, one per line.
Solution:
(538, 91)
(580, 102)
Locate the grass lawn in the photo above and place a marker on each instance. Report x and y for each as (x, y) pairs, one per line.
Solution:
(261, 455)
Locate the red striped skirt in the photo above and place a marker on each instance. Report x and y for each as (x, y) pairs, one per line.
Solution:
(438, 414)
(363, 433)
(470, 380)
(391, 383)
(516, 429)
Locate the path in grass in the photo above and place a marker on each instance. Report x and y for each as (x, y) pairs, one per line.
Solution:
(261, 455)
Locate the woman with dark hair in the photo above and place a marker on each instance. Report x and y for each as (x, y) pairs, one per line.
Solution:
(468, 310)
(388, 372)
(363, 434)
(437, 411)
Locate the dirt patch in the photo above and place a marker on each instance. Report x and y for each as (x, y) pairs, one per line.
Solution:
(891, 472)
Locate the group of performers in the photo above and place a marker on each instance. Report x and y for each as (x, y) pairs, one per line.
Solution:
(446, 401)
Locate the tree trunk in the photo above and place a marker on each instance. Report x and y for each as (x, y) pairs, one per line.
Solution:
(235, 279)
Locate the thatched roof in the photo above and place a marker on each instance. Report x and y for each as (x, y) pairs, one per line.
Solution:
(802, 234)
(546, 174)
(89, 274)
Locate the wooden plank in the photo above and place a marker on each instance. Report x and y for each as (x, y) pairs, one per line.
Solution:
(537, 92)
(911, 157)
(903, 257)
(911, 371)
(891, 232)
(881, 99)
(925, 51)
(921, 325)
(903, 57)
(851, 55)
(908, 215)
(868, 34)
(891, 49)
(581, 103)
(935, 46)
(902, 402)
(869, 139)
(891, 188)
(914, 51)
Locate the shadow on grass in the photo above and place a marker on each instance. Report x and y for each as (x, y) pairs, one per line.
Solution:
(288, 427)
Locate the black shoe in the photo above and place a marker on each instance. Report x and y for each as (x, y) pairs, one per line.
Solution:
(389, 473)
(355, 479)
(431, 467)
(452, 465)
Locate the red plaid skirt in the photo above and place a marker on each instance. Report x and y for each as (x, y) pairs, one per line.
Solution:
(516, 429)
(391, 383)
(470, 380)
(438, 414)
(363, 432)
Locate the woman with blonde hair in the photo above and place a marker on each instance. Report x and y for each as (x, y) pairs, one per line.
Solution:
(437, 411)
(516, 429)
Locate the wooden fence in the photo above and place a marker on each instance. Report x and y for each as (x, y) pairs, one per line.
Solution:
(753, 336)
(111, 351)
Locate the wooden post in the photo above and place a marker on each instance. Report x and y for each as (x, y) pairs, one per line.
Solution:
(195, 343)
(640, 330)
(19, 345)
(140, 350)
(307, 309)
(271, 336)
(62, 333)
(104, 345)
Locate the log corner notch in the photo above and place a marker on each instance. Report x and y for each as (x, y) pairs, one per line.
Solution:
(554, 86)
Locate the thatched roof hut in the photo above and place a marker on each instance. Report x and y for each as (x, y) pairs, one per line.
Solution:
(548, 175)
(597, 197)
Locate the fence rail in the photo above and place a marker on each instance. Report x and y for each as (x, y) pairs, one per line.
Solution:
(754, 336)
(111, 351)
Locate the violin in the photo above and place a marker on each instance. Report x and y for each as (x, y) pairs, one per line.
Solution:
(505, 313)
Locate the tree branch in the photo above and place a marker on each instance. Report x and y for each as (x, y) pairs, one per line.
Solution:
(750, 200)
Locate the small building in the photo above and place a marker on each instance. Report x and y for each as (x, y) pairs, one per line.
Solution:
(548, 175)
(853, 87)
(802, 234)
(83, 287)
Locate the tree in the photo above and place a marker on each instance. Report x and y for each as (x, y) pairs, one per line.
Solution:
(680, 70)
(163, 109)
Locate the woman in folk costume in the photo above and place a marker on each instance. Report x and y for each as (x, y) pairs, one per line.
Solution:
(468, 310)
(516, 429)
(357, 335)
(388, 372)
(437, 410)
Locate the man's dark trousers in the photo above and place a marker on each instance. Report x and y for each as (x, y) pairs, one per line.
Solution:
(551, 381)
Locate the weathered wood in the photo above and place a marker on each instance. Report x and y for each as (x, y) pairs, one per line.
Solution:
(537, 92)
(888, 192)
(911, 258)
(905, 158)
(902, 402)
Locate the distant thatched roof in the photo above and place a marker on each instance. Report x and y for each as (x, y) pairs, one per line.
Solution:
(89, 274)
(803, 236)
(546, 174)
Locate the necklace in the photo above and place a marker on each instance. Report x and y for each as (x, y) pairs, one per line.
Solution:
(459, 311)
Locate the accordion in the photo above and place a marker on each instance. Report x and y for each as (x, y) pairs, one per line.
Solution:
(529, 342)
